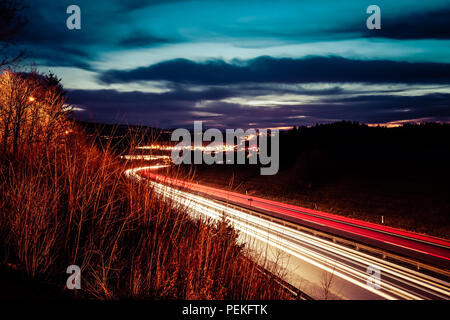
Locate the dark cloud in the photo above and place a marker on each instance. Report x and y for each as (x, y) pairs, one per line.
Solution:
(142, 4)
(419, 25)
(285, 70)
(47, 39)
(203, 90)
(141, 39)
(180, 107)
(386, 108)
(103, 28)
(66, 57)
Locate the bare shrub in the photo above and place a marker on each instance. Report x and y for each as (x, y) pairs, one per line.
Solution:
(73, 204)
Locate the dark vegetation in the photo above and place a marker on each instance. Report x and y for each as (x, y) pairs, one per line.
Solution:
(64, 199)
(363, 172)
(12, 20)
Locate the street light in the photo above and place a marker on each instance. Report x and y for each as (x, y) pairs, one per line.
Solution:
(31, 99)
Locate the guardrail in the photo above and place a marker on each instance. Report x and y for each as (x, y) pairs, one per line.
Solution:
(384, 254)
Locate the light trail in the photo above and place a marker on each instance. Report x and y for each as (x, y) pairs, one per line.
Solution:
(348, 265)
(144, 157)
(423, 247)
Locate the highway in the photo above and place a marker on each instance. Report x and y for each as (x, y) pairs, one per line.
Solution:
(315, 265)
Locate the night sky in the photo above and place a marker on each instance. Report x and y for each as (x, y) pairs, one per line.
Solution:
(239, 64)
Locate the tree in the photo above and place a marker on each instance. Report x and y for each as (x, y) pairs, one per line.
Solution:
(11, 22)
(33, 110)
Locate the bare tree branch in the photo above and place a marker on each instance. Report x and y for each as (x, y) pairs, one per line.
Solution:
(12, 21)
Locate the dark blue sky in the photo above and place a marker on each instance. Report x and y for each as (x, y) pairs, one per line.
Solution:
(247, 63)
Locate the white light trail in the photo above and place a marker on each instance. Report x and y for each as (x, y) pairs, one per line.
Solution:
(346, 263)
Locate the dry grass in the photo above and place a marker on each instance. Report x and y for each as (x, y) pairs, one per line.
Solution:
(64, 199)
(74, 205)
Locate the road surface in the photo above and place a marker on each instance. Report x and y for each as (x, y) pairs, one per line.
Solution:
(317, 266)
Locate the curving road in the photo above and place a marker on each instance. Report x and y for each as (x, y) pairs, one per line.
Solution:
(318, 266)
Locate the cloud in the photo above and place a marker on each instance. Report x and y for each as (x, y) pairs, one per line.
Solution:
(418, 25)
(180, 107)
(284, 70)
(142, 4)
(104, 28)
(124, 44)
(141, 39)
